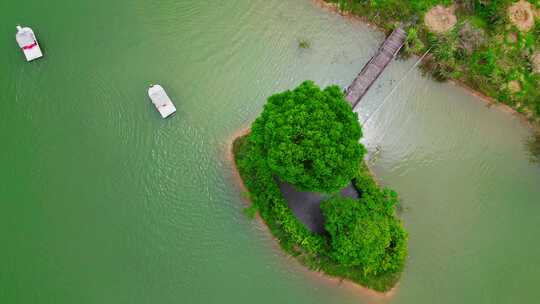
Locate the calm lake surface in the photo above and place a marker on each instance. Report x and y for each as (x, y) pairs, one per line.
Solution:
(101, 201)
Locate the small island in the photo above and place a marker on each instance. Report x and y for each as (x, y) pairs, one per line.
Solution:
(303, 149)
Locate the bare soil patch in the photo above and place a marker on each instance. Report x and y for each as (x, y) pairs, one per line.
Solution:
(535, 60)
(440, 19)
(521, 15)
(514, 86)
(512, 37)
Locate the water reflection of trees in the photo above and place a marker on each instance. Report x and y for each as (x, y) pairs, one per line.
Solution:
(533, 145)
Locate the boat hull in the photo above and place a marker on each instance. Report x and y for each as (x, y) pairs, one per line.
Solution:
(33, 53)
(161, 101)
(27, 41)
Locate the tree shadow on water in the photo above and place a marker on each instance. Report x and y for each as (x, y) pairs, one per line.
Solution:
(533, 146)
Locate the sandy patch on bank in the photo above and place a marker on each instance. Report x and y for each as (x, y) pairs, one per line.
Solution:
(370, 295)
(230, 156)
(521, 15)
(492, 103)
(334, 8)
(440, 19)
(536, 62)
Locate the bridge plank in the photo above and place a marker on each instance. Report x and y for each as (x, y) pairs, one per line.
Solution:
(375, 66)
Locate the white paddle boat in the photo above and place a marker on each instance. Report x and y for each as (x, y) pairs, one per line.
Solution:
(161, 101)
(28, 43)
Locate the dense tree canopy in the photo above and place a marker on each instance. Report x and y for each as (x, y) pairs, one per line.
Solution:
(365, 234)
(310, 137)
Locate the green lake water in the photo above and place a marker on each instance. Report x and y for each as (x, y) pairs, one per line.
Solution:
(101, 201)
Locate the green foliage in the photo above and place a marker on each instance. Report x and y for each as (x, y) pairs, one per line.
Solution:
(383, 12)
(424, 5)
(313, 250)
(266, 197)
(444, 50)
(304, 44)
(492, 11)
(381, 252)
(484, 50)
(251, 211)
(413, 44)
(484, 62)
(310, 137)
(363, 236)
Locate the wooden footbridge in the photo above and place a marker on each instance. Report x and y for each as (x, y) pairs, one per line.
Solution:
(375, 66)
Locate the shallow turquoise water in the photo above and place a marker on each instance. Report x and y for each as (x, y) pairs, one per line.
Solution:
(104, 202)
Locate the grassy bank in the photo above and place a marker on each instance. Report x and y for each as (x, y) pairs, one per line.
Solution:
(316, 251)
(492, 46)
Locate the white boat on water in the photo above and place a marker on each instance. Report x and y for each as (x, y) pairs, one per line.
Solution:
(161, 101)
(28, 43)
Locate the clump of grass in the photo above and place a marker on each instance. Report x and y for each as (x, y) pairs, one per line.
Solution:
(251, 211)
(304, 44)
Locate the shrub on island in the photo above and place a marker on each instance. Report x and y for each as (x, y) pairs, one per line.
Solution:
(365, 234)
